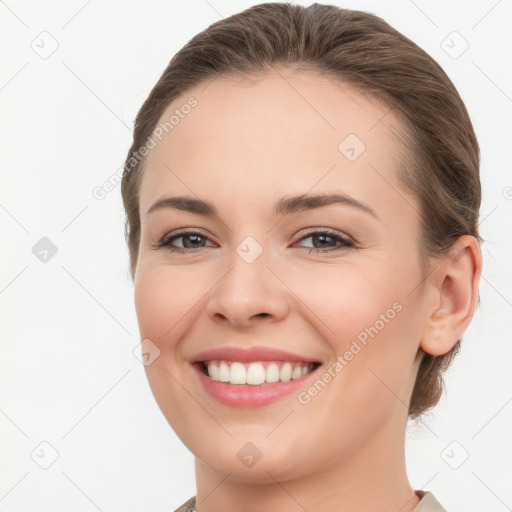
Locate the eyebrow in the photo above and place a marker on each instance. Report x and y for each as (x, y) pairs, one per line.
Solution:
(284, 206)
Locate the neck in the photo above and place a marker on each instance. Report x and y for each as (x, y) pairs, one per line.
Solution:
(372, 478)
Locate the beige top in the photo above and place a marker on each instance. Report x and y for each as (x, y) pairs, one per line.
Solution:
(427, 503)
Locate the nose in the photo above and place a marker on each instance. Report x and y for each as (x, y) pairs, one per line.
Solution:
(249, 294)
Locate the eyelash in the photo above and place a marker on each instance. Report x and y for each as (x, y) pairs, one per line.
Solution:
(166, 241)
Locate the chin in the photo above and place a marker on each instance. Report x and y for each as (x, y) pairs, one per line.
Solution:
(264, 471)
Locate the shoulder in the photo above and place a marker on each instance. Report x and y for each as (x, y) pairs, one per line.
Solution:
(189, 506)
(428, 503)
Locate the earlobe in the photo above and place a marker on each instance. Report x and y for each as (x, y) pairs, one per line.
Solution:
(456, 283)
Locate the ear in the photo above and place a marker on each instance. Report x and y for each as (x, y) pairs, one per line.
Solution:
(455, 284)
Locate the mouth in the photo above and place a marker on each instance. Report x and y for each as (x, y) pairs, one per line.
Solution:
(255, 373)
(251, 376)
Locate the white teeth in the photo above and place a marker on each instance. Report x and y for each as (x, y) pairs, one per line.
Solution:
(272, 373)
(237, 374)
(223, 372)
(286, 372)
(297, 372)
(214, 371)
(255, 373)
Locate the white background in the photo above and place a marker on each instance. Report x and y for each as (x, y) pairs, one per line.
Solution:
(68, 327)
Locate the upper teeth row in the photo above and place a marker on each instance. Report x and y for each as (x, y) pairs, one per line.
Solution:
(255, 373)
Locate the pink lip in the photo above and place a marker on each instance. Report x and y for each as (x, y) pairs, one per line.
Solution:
(250, 354)
(245, 395)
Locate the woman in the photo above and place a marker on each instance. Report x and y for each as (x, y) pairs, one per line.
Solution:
(302, 198)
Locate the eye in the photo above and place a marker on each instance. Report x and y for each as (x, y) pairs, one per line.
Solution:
(184, 241)
(321, 240)
(326, 240)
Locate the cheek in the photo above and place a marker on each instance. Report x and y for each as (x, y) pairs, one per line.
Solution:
(163, 298)
(348, 302)
(365, 317)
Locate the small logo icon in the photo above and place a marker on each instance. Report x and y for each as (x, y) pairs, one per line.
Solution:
(249, 454)
(45, 45)
(44, 454)
(454, 45)
(249, 249)
(455, 455)
(44, 250)
(351, 147)
(146, 352)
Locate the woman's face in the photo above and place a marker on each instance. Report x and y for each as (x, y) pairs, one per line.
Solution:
(317, 302)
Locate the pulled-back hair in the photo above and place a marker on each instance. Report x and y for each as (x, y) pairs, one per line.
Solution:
(441, 154)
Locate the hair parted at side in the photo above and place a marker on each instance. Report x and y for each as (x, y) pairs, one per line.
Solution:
(441, 158)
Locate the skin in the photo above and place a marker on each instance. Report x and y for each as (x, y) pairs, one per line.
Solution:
(245, 146)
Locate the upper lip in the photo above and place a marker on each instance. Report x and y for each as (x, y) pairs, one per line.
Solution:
(248, 354)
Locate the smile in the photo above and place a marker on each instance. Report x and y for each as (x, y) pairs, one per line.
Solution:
(255, 373)
(251, 376)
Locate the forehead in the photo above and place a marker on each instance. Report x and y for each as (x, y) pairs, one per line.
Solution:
(283, 131)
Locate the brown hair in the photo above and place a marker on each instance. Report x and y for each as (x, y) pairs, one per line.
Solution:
(441, 161)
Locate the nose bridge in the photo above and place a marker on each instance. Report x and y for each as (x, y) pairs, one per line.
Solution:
(249, 290)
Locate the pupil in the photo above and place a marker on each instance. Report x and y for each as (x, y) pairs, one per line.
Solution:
(318, 237)
(194, 238)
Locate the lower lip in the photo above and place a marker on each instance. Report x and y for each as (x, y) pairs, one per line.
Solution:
(246, 395)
